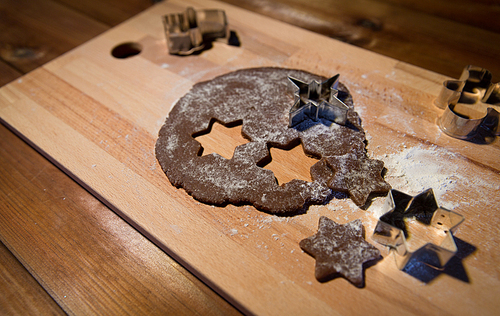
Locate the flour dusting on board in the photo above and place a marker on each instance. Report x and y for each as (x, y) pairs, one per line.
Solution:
(422, 167)
(418, 168)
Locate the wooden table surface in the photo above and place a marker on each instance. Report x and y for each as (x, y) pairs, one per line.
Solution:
(82, 244)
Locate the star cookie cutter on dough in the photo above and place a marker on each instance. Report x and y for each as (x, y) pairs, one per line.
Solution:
(317, 101)
(471, 104)
(187, 32)
(392, 231)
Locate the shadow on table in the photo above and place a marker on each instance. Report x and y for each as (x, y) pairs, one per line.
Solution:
(453, 268)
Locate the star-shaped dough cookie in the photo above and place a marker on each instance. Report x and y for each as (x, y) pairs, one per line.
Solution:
(357, 175)
(340, 250)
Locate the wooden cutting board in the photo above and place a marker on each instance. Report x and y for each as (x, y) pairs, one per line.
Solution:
(97, 117)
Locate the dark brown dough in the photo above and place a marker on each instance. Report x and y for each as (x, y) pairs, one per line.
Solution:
(340, 250)
(259, 98)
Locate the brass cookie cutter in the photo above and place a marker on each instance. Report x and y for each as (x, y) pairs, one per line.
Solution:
(189, 31)
(392, 229)
(471, 104)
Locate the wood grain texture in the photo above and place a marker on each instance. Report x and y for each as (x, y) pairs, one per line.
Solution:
(89, 260)
(482, 14)
(55, 30)
(161, 286)
(110, 13)
(21, 294)
(7, 73)
(434, 36)
(100, 119)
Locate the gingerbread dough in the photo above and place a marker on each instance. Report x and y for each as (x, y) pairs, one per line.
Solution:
(260, 99)
(340, 250)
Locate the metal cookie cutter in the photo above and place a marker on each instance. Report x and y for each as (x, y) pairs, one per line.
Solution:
(317, 101)
(469, 104)
(393, 230)
(187, 32)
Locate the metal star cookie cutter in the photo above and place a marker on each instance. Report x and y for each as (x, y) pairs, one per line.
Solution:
(392, 231)
(471, 104)
(317, 101)
(187, 32)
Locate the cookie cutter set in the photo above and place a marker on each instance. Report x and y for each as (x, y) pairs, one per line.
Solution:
(315, 101)
(392, 229)
(473, 92)
(189, 31)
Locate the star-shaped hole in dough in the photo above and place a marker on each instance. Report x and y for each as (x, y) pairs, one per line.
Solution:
(220, 138)
(357, 175)
(340, 250)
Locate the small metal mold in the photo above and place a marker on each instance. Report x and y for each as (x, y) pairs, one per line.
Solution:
(469, 104)
(392, 229)
(316, 101)
(190, 31)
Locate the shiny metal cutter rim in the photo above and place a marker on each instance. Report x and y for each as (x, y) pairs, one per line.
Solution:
(188, 31)
(477, 80)
(389, 235)
(316, 101)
